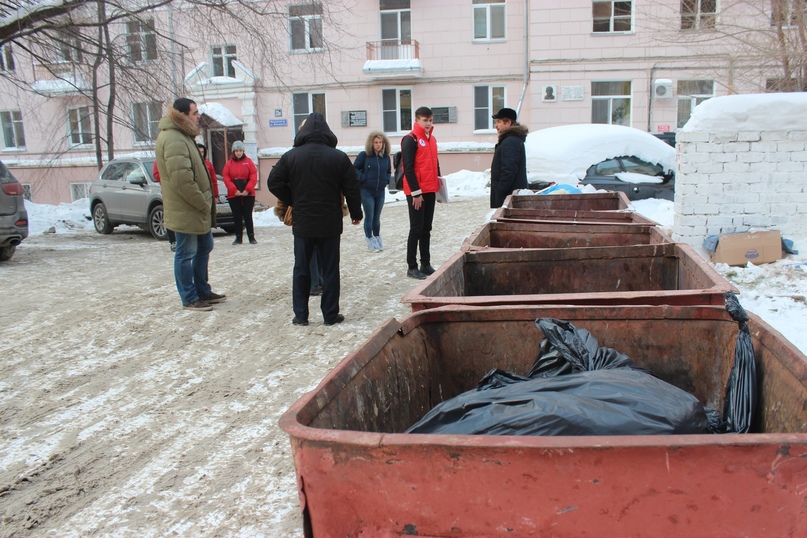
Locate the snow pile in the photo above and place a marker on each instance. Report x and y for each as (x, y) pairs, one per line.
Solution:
(750, 112)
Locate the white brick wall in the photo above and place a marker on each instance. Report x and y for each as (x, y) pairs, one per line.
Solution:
(734, 181)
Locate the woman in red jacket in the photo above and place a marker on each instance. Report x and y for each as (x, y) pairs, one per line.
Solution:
(241, 176)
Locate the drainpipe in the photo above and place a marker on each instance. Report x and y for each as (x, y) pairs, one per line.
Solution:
(172, 53)
(526, 55)
(650, 99)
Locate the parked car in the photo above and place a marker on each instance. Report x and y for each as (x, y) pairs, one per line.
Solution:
(637, 178)
(608, 157)
(667, 138)
(126, 192)
(13, 216)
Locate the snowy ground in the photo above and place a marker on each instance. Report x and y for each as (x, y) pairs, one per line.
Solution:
(121, 414)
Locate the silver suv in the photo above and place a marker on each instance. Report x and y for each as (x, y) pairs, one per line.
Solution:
(127, 193)
(13, 216)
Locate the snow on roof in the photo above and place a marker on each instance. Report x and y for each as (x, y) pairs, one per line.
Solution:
(220, 113)
(16, 11)
(60, 86)
(392, 66)
(750, 112)
(564, 153)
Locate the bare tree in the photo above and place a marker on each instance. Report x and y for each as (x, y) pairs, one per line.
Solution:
(118, 55)
(750, 39)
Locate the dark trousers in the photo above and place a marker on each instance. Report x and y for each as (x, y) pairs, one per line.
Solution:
(172, 238)
(420, 229)
(316, 273)
(327, 249)
(242, 215)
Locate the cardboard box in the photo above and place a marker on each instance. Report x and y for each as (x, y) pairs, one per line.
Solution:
(754, 247)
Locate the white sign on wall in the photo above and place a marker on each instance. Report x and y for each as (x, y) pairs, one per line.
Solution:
(571, 93)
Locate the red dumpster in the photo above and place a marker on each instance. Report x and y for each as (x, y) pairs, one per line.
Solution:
(505, 214)
(519, 235)
(668, 273)
(594, 201)
(358, 475)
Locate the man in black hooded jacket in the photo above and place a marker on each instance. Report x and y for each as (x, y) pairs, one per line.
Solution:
(508, 171)
(312, 177)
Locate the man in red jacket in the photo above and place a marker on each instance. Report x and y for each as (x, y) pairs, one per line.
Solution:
(421, 173)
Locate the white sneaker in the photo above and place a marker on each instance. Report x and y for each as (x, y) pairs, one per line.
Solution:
(378, 242)
(371, 244)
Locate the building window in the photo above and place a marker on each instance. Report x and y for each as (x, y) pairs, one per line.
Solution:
(306, 27)
(68, 47)
(146, 116)
(788, 13)
(610, 102)
(305, 104)
(487, 101)
(223, 58)
(141, 40)
(489, 19)
(80, 128)
(79, 191)
(6, 58)
(13, 133)
(612, 16)
(396, 111)
(396, 22)
(785, 85)
(698, 14)
(690, 94)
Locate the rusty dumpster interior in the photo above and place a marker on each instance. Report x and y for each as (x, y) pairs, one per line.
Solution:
(599, 201)
(638, 268)
(386, 386)
(518, 235)
(572, 215)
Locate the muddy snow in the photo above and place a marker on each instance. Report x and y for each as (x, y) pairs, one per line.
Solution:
(123, 414)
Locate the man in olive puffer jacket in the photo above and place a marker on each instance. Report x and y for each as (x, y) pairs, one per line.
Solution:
(188, 203)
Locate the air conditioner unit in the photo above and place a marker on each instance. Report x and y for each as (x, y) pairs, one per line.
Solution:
(662, 88)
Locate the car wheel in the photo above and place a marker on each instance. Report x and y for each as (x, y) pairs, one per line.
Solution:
(7, 252)
(100, 219)
(157, 223)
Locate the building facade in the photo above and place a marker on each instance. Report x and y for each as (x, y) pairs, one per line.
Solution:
(368, 64)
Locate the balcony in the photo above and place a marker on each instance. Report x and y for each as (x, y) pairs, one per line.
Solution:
(59, 79)
(393, 59)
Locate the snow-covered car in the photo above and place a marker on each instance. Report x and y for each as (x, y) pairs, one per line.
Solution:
(608, 157)
(126, 192)
(13, 216)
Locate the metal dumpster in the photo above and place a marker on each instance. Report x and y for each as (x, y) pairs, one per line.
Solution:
(506, 214)
(520, 235)
(358, 475)
(595, 201)
(668, 273)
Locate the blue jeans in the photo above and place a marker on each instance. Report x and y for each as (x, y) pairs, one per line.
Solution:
(372, 203)
(190, 266)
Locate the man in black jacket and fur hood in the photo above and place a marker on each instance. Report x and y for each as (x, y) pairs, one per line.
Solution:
(508, 171)
(312, 178)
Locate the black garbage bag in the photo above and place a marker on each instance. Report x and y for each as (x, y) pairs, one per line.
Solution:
(575, 387)
(741, 387)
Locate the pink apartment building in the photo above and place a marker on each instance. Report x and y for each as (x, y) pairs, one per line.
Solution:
(368, 64)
